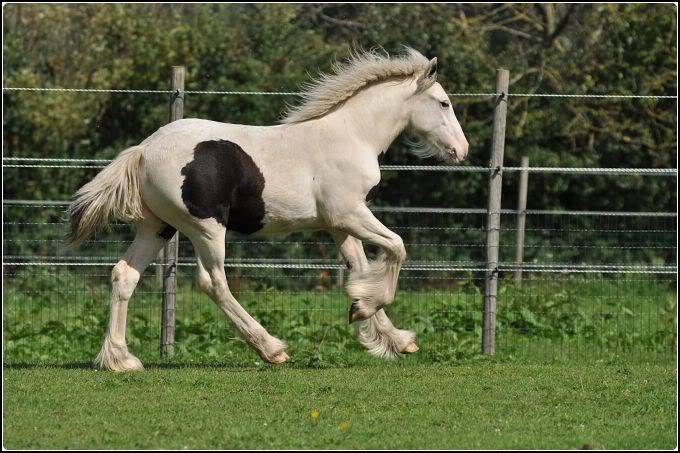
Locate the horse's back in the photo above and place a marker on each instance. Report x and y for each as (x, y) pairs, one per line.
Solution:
(201, 169)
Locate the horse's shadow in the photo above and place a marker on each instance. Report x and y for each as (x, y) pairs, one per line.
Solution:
(38, 365)
(147, 366)
(151, 366)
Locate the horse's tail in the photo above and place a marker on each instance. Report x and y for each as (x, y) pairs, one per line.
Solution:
(113, 193)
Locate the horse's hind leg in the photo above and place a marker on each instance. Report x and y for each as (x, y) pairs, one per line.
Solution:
(376, 333)
(212, 279)
(114, 354)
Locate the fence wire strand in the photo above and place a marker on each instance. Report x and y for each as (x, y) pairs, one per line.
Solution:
(79, 163)
(295, 93)
(409, 209)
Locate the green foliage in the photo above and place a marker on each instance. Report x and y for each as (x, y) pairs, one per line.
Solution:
(548, 48)
(54, 319)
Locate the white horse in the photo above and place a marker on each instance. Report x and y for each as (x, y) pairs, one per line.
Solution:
(313, 172)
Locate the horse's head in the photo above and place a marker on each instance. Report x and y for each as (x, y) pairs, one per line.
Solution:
(432, 120)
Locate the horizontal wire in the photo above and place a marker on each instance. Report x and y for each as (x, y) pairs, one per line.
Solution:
(251, 265)
(565, 170)
(416, 210)
(55, 159)
(591, 96)
(600, 213)
(272, 240)
(247, 261)
(598, 269)
(80, 163)
(321, 263)
(589, 266)
(50, 166)
(596, 171)
(420, 210)
(434, 291)
(36, 203)
(475, 229)
(296, 93)
(87, 90)
(270, 243)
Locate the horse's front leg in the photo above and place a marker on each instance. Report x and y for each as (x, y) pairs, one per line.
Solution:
(374, 287)
(209, 245)
(377, 333)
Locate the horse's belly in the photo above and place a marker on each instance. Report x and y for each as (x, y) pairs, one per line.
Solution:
(283, 228)
(288, 217)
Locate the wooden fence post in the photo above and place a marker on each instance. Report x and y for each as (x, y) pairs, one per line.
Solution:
(340, 275)
(172, 246)
(521, 219)
(160, 259)
(493, 216)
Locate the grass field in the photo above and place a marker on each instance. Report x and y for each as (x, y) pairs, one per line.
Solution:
(581, 363)
(406, 404)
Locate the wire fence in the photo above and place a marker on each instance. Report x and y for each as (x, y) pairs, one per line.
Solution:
(607, 296)
(295, 93)
(34, 162)
(596, 285)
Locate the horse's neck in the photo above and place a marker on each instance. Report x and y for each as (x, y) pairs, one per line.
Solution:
(374, 117)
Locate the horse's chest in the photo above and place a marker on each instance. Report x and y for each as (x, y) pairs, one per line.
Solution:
(372, 192)
(224, 183)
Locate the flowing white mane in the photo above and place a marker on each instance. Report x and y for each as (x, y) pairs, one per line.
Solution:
(363, 68)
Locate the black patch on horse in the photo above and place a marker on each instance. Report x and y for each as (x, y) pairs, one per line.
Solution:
(223, 182)
(372, 193)
(167, 232)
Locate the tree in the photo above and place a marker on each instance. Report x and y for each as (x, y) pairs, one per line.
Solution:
(547, 48)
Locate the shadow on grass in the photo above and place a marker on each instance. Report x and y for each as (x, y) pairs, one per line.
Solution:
(35, 365)
(215, 365)
(350, 360)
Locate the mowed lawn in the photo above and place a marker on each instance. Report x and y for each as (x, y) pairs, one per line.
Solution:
(403, 404)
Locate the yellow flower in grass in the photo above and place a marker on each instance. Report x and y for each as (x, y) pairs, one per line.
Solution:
(315, 416)
(345, 426)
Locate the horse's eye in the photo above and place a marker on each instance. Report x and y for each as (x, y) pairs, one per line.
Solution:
(444, 104)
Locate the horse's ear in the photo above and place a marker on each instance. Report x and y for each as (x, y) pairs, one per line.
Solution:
(432, 69)
(428, 77)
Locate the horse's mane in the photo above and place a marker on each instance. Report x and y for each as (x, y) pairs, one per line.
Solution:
(325, 92)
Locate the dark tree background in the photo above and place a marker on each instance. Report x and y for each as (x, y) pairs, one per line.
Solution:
(548, 48)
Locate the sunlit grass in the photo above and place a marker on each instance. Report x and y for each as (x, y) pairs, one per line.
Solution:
(377, 405)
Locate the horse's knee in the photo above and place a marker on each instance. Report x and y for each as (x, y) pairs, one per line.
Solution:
(398, 249)
(124, 278)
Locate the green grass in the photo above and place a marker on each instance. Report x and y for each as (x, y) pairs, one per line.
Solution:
(406, 404)
(582, 362)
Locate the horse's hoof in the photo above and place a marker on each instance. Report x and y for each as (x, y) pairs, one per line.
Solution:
(278, 358)
(410, 348)
(112, 358)
(132, 363)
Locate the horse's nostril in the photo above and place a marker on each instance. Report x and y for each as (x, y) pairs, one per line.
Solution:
(454, 152)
